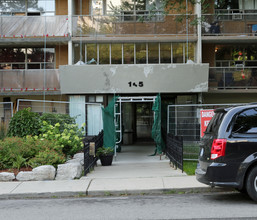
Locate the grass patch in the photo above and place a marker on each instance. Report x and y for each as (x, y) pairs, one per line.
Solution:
(189, 167)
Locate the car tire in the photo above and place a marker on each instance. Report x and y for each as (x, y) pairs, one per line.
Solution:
(251, 184)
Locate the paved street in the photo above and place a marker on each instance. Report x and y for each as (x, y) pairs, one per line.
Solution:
(226, 205)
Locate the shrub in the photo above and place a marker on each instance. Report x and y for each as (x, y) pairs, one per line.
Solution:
(62, 119)
(16, 152)
(70, 139)
(24, 123)
(47, 157)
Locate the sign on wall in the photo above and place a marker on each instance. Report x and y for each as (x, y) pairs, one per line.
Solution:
(206, 116)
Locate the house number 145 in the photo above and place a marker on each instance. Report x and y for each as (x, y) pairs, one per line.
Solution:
(135, 84)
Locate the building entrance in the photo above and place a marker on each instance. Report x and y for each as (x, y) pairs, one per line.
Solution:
(134, 120)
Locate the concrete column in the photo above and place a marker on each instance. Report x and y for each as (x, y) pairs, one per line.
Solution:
(70, 13)
(199, 32)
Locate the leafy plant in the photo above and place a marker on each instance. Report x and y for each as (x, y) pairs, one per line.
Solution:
(104, 151)
(47, 157)
(62, 119)
(24, 123)
(70, 139)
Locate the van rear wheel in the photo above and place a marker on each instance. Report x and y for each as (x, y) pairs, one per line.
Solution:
(251, 184)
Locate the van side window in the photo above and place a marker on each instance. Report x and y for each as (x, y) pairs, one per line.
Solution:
(246, 122)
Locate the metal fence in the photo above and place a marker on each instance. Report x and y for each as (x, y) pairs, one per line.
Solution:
(6, 113)
(91, 144)
(174, 150)
(186, 121)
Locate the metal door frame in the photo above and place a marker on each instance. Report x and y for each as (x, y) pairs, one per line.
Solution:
(118, 103)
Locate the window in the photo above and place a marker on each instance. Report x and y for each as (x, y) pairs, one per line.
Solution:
(27, 7)
(153, 52)
(178, 51)
(136, 10)
(116, 53)
(27, 58)
(104, 53)
(140, 53)
(246, 122)
(165, 52)
(128, 53)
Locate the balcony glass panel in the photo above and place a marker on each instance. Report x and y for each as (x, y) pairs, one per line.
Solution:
(127, 24)
(233, 78)
(29, 80)
(34, 26)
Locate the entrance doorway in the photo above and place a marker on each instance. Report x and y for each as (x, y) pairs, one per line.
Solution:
(135, 117)
(137, 122)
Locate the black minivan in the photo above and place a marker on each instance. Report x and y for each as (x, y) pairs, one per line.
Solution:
(228, 150)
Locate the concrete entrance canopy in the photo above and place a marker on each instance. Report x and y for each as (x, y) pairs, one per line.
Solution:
(142, 78)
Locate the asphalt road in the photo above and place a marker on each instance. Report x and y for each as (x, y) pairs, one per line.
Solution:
(225, 205)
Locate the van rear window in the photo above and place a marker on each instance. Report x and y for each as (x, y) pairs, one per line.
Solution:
(215, 122)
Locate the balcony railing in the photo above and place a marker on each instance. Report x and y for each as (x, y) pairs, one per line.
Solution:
(134, 24)
(230, 24)
(29, 80)
(233, 78)
(33, 26)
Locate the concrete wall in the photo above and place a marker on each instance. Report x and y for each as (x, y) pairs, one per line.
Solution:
(172, 78)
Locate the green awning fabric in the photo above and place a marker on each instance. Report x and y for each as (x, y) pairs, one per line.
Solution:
(156, 129)
(109, 125)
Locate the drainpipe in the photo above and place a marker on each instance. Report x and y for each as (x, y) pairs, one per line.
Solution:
(70, 12)
(199, 33)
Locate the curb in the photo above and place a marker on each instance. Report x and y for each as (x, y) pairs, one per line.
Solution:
(56, 195)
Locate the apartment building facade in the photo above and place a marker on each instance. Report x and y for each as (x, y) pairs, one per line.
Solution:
(91, 50)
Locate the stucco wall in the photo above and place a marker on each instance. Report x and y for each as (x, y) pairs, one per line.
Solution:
(172, 78)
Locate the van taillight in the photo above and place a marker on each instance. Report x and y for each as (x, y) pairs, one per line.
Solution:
(218, 148)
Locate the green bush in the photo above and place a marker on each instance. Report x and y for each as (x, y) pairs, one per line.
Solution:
(70, 138)
(47, 157)
(16, 152)
(24, 123)
(62, 119)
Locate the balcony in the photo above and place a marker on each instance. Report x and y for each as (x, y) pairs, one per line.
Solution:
(29, 80)
(33, 26)
(221, 78)
(232, 24)
(125, 25)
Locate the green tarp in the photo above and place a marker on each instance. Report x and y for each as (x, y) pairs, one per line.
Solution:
(109, 125)
(156, 129)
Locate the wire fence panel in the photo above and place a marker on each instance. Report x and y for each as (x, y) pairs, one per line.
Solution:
(188, 121)
(6, 113)
(87, 115)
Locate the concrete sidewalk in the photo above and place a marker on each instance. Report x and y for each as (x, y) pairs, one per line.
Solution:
(99, 187)
(132, 172)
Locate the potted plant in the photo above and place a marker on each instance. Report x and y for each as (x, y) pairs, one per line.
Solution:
(106, 155)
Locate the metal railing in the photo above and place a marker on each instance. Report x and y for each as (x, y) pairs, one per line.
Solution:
(29, 80)
(233, 77)
(133, 24)
(91, 144)
(33, 26)
(174, 150)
